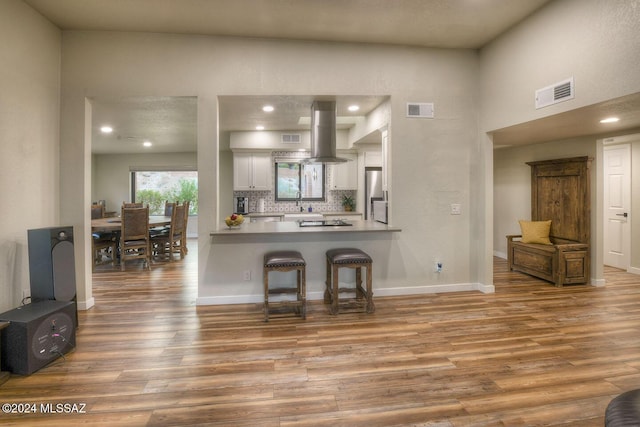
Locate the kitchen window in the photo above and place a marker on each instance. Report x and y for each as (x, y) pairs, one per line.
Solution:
(299, 181)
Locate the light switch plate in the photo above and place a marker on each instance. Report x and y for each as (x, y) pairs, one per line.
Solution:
(456, 209)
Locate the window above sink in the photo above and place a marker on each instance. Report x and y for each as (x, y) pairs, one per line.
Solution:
(298, 181)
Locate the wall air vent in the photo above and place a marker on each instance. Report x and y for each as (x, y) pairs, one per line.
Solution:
(558, 92)
(420, 109)
(291, 138)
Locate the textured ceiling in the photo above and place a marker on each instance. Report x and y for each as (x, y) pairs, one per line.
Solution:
(238, 113)
(575, 123)
(434, 23)
(171, 123)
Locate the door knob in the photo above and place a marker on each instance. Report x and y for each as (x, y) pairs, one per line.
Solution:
(623, 214)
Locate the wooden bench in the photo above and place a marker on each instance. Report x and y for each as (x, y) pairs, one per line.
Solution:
(560, 192)
(564, 262)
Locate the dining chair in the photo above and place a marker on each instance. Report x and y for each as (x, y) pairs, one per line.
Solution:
(162, 229)
(103, 244)
(169, 243)
(135, 242)
(183, 242)
(131, 205)
(97, 211)
(168, 207)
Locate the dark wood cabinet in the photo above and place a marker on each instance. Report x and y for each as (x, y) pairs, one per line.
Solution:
(560, 192)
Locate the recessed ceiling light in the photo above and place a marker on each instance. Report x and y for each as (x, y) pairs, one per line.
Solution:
(259, 127)
(353, 108)
(147, 144)
(106, 129)
(610, 120)
(267, 108)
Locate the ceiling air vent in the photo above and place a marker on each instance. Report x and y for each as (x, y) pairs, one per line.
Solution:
(555, 93)
(291, 138)
(420, 109)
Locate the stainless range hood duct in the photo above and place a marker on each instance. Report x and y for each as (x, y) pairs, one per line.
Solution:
(323, 133)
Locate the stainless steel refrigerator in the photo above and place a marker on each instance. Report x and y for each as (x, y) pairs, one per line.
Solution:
(372, 189)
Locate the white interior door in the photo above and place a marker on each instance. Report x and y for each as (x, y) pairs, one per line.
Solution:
(617, 205)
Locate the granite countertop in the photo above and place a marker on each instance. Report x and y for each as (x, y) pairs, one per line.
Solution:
(291, 227)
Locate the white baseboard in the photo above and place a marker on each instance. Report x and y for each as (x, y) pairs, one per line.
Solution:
(230, 299)
(400, 291)
(486, 289)
(598, 282)
(499, 254)
(432, 289)
(86, 305)
(633, 270)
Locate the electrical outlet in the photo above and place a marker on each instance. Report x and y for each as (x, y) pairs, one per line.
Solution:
(438, 267)
(246, 276)
(456, 209)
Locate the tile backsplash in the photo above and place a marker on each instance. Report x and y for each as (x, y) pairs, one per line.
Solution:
(332, 202)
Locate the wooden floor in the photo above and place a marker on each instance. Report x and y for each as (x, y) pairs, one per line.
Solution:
(528, 355)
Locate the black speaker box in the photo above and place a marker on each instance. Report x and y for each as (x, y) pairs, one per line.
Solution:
(52, 267)
(38, 333)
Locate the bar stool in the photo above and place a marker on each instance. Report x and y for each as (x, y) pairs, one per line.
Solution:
(348, 258)
(285, 261)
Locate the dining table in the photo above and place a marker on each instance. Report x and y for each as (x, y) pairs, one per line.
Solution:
(115, 223)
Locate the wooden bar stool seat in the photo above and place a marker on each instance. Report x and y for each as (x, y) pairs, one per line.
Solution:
(285, 261)
(348, 258)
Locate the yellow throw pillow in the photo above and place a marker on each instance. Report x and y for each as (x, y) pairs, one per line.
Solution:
(535, 231)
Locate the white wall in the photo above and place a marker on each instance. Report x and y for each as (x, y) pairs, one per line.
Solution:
(430, 159)
(512, 192)
(225, 192)
(595, 41)
(29, 139)
(433, 162)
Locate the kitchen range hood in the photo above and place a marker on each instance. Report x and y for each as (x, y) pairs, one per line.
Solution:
(323, 133)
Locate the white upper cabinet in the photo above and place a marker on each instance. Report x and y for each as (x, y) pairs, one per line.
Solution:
(251, 171)
(345, 175)
(373, 158)
(262, 167)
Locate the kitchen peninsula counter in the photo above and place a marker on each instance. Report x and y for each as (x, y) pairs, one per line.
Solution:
(291, 228)
(235, 259)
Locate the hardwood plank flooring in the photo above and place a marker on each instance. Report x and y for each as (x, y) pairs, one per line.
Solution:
(529, 355)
